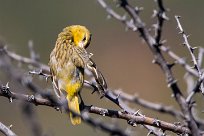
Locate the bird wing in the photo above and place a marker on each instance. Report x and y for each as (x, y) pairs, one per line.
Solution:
(55, 84)
(100, 80)
(91, 65)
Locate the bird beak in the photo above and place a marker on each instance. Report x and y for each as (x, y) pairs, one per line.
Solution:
(81, 44)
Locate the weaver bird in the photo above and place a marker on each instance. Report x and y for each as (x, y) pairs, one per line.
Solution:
(68, 61)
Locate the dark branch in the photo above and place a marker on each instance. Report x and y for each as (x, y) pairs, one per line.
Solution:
(161, 17)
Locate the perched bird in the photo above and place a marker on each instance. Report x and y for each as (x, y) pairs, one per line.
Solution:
(68, 61)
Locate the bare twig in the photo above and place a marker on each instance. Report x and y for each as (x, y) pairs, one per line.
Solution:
(6, 131)
(129, 23)
(161, 15)
(186, 43)
(33, 55)
(180, 61)
(200, 56)
(40, 73)
(149, 105)
(196, 66)
(22, 59)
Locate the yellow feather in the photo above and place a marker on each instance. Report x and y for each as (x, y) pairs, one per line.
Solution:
(73, 102)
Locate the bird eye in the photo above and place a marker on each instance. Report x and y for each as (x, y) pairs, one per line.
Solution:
(84, 39)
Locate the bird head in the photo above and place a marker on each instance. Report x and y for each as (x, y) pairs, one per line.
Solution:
(80, 35)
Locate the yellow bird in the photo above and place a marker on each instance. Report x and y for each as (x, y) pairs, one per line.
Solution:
(67, 63)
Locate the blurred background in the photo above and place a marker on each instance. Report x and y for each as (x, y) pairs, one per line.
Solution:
(121, 55)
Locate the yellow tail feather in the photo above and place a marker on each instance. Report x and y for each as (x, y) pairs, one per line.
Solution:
(73, 104)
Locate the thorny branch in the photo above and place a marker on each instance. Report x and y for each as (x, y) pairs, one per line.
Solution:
(161, 15)
(186, 43)
(149, 105)
(180, 61)
(133, 119)
(196, 66)
(155, 43)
